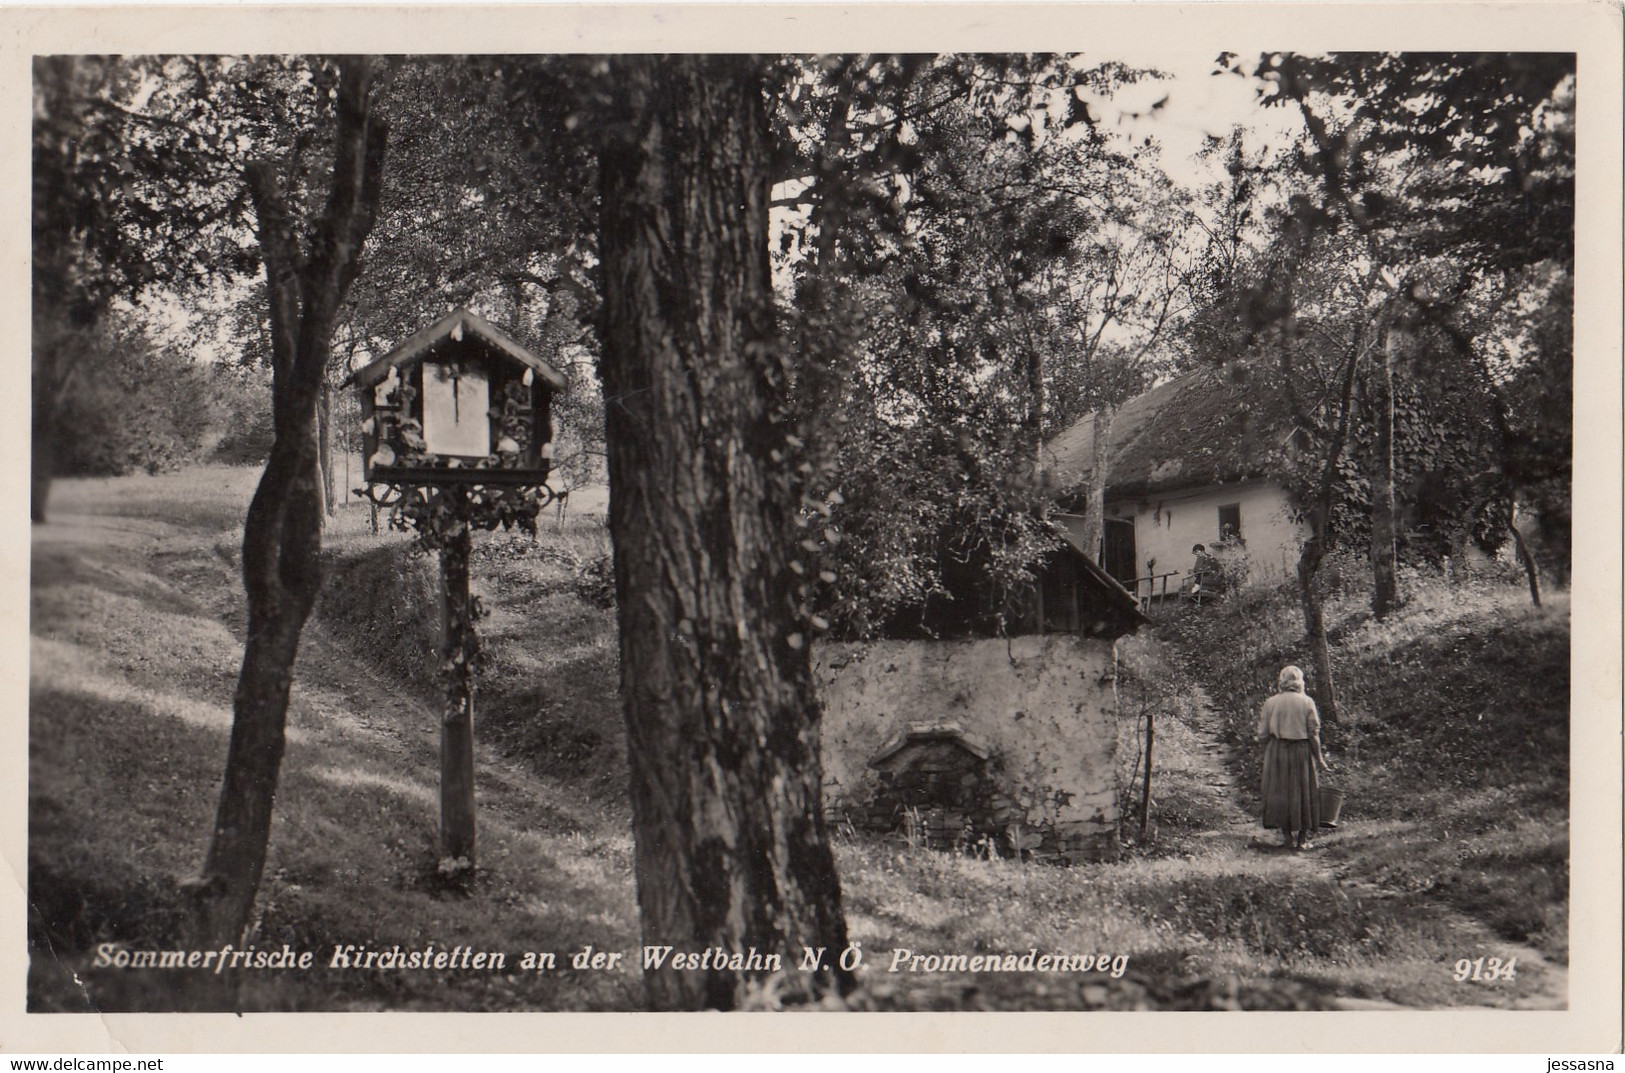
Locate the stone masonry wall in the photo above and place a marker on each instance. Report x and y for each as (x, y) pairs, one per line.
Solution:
(1044, 708)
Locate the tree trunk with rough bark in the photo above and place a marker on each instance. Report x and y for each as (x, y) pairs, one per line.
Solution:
(282, 533)
(721, 710)
(1385, 595)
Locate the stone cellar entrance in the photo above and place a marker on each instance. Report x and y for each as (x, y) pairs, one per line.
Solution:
(935, 783)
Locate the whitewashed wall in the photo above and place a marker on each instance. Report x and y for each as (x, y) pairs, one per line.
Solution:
(1046, 706)
(1166, 526)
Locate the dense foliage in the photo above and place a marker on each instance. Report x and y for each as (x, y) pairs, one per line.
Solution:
(140, 405)
(969, 258)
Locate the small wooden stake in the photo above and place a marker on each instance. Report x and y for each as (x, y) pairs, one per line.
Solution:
(457, 650)
(1145, 790)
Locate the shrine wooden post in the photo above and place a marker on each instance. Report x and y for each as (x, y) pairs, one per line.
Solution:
(457, 429)
(459, 647)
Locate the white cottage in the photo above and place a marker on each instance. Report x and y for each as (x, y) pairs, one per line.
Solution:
(1192, 461)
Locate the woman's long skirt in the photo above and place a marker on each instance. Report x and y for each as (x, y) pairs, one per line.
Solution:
(1291, 790)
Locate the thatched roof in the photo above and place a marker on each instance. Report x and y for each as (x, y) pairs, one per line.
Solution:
(1211, 426)
(461, 327)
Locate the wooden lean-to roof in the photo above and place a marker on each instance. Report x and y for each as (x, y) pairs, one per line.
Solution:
(1211, 426)
(459, 327)
(1068, 593)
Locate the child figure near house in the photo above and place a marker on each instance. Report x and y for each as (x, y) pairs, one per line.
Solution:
(1289, 725)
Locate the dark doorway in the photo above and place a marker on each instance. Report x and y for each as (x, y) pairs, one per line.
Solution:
(1117, 555)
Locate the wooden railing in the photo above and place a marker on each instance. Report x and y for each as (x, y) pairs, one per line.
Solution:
(1153, 587)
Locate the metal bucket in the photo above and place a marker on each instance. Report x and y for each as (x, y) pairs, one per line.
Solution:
(1331, 806)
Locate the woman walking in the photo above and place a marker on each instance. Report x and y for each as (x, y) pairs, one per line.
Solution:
(1289, 724)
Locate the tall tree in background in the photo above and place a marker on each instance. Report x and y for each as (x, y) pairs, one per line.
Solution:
(89, 179)
(309, 266)
(1418, 179)
(1429, 158)
(721, 711)
(138, 165)
(62, 301)
(974, 267)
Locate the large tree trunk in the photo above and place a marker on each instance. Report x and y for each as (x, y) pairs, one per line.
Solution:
(721, 711)
(282, 534)
(1385, 595)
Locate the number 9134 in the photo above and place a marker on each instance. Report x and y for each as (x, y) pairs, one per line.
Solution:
(1486, 970)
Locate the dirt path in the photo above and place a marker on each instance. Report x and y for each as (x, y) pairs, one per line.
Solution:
(1238, 841)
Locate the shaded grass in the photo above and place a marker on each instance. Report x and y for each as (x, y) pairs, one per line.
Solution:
(130, 708)
(548, 691)
(135, 658)
(1272, 929)
(204, 499)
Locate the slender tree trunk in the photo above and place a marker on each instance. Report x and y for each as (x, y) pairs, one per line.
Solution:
(281, 539)
(721, 710)
(42, 465)
(1385, 596)
(825, 342)
(1526, 557)
(1145, 789)
(53, 378)
(324, 448)
(1094, 496)
(283, 532)
(1314, 626)
(459, 649)
(1320, 538)
(1037, 400)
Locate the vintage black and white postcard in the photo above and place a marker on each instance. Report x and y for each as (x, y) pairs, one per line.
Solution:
(1085, 510)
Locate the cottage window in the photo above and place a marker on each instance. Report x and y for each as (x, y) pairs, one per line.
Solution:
(1230, 521)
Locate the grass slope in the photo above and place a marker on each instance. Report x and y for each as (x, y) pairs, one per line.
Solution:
(136, 626)
(1452, 745)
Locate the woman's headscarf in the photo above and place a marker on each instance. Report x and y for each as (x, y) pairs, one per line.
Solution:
(1290, 680)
